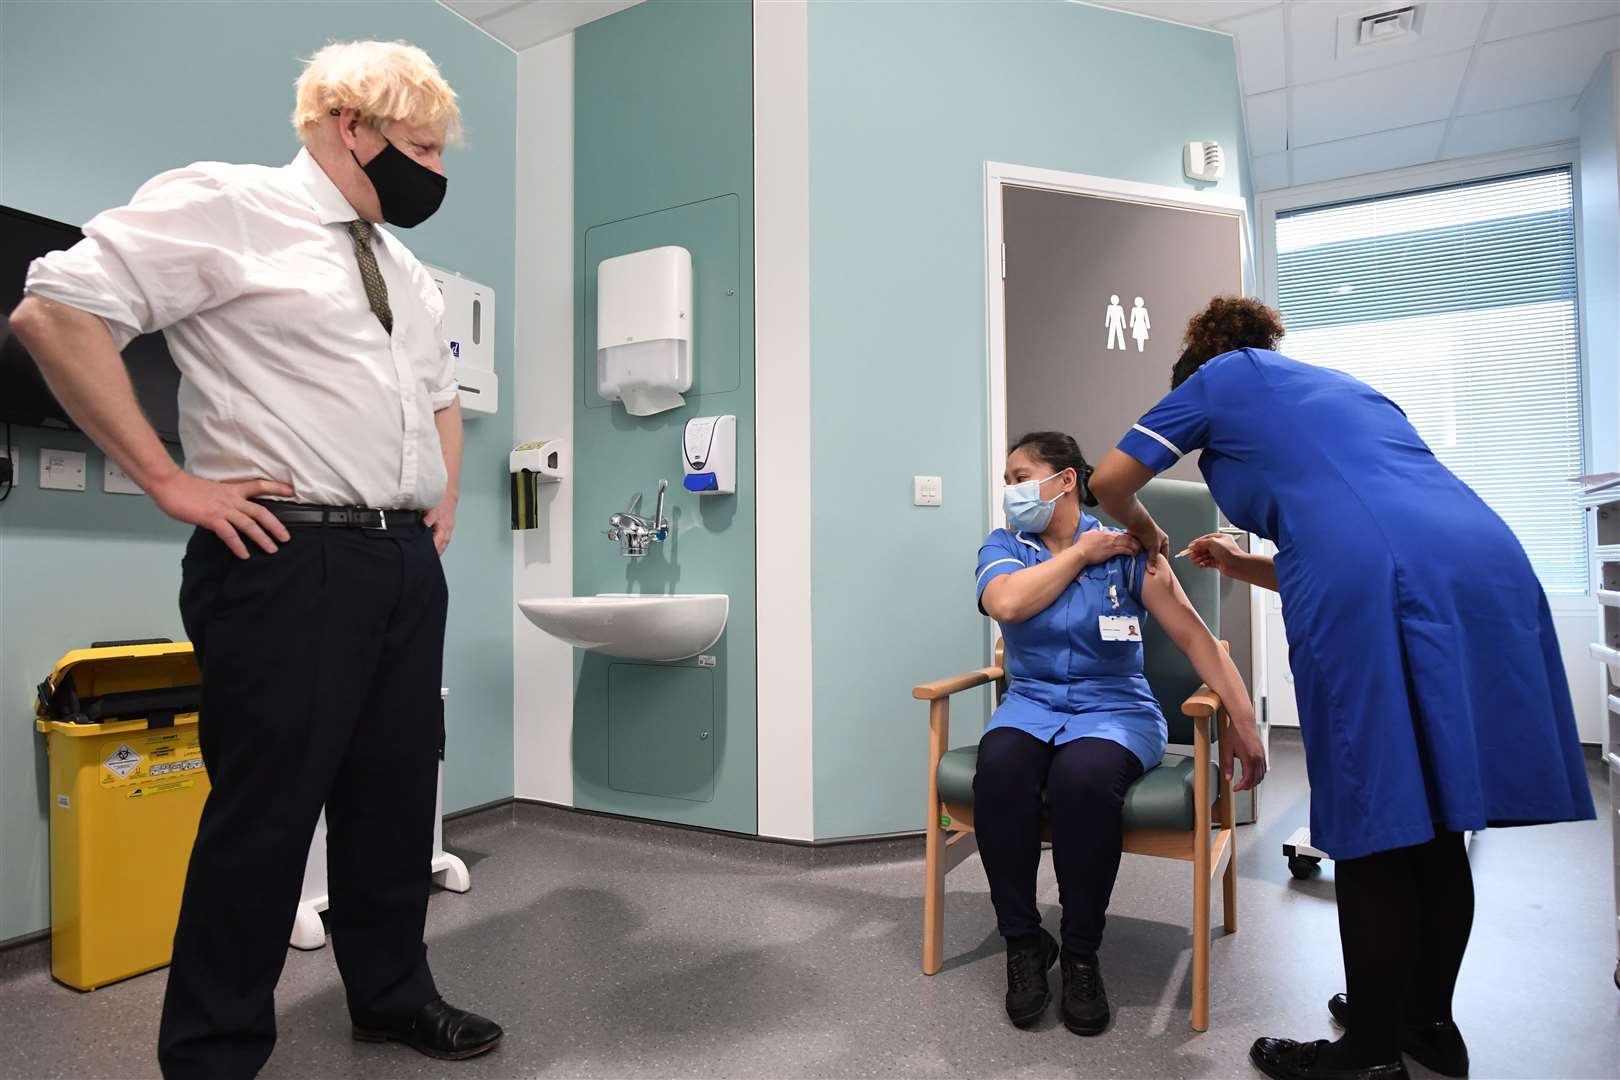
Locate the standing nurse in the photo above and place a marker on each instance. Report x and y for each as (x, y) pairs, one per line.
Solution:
(323, 445)
(1432, 697)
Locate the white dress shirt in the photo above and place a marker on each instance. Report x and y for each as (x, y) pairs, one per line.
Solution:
(285, 372)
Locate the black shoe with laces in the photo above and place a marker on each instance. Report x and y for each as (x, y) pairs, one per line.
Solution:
(1436, 1044)
(1028, 993)
(1085, 1001)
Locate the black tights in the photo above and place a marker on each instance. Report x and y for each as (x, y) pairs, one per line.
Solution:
(1404, 919)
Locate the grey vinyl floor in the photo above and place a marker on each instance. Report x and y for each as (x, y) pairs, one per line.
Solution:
(619, 949)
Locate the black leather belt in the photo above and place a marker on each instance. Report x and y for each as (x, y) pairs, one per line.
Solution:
(343, 517)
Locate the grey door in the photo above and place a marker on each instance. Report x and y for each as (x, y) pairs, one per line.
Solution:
(1098, 292)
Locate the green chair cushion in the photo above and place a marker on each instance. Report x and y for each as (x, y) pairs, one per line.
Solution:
(1161, 799)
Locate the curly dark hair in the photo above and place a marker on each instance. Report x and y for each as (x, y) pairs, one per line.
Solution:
(1225, 324)
(1059, 451)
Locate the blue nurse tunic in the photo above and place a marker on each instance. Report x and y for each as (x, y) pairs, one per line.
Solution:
(1431, 691)
(1064, 681)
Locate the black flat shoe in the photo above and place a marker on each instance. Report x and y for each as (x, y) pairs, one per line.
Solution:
(440, 1031)
(1437, 1045)
(1285, 1059)
(1085, 1000)
(1028, 993)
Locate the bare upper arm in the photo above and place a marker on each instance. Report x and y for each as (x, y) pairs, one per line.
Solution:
(1168, 605)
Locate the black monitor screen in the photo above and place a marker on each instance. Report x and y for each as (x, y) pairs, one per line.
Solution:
(24, 397)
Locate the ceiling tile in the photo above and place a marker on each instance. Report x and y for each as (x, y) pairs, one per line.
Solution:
(1315, 37)
(1269, 172)
(1194, 12)
(1511, 18)
(480, 9)
(1511, 129)
(1376, 100)
(541, 20)
(1262, 48)
(1539, 67)
(1268, 122)
(1370, 153)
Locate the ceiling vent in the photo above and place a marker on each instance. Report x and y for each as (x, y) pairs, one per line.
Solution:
(1392, 28)
(1386, 26)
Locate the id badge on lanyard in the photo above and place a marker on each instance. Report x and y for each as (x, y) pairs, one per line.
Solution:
(1114, 626)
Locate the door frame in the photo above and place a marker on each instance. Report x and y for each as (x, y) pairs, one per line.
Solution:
(998, 176)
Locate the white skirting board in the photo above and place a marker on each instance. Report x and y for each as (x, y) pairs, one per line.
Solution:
(448, 870)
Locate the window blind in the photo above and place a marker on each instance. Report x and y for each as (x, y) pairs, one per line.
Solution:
(1459, 304)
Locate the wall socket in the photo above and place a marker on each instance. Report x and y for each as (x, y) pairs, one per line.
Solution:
(927, 491)
(61, 470)
(14, 455)
(116, 481)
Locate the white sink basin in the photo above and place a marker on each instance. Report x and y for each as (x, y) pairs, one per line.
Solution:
(632, 626)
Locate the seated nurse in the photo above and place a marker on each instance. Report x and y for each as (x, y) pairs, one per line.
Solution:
(1078, 720)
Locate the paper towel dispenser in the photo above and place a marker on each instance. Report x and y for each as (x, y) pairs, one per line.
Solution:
(469, 326)
(644, 329)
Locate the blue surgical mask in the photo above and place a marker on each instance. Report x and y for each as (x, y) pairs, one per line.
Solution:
(1026, 510)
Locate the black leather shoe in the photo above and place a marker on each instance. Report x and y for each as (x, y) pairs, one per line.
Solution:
(440, 1031)
(1285, 1059)
(1436, 1045)
(1085, 1001)
(1028, 993)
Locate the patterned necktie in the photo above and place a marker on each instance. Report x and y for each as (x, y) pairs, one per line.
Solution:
(370, 276)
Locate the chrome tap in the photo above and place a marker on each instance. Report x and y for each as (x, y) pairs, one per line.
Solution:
(633, 532)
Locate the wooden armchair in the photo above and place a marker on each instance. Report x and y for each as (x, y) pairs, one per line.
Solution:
(1167, 812)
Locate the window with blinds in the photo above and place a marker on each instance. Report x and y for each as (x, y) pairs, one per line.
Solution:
(1459, 305)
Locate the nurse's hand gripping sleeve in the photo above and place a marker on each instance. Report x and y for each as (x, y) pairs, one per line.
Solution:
(1176, 426)
(178, 248)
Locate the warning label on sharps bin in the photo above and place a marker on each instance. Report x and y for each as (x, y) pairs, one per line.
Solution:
(151, 763)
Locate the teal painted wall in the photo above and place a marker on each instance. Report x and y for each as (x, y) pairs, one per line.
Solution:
(663, 154)
(94, 99)
(907, 102)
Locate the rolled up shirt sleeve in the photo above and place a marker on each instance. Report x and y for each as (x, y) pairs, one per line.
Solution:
(175, 250)
(1176, 426)
(446, 389)
(997, 557)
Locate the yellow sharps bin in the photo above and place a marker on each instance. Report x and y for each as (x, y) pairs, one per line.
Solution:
(127, 788)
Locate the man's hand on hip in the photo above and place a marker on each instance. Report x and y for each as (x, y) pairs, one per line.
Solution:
(224, 509)
(442, 520)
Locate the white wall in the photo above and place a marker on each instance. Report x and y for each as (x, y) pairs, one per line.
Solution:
(1600, 262)
(542, 407)
(782, 398)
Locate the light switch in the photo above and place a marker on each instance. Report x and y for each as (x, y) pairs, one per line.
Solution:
(115, 481)
(61, 470)
(927, 491)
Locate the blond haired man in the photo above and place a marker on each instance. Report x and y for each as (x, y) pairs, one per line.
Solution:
(322, 437)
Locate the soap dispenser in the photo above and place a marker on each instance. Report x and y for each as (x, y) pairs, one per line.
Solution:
(709, 453)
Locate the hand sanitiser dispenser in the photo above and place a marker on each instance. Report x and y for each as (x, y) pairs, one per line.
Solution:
(644, 329)
(709, 452)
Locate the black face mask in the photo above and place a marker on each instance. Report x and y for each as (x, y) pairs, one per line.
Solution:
(408, 191)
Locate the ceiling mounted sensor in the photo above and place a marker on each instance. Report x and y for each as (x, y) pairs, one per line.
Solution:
(1387, 27)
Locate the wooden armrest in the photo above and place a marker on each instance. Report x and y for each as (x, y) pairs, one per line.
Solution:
(944, 688)
(1204, 702)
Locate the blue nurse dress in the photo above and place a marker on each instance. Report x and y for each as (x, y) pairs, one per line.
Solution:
(1064, 682)
(1431, 691)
